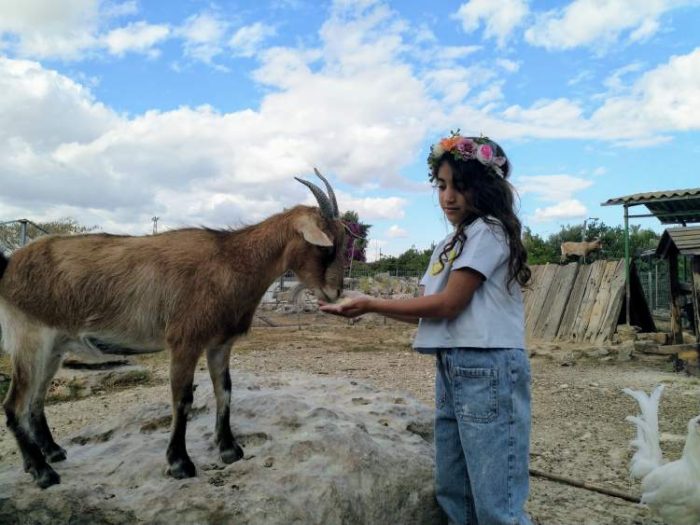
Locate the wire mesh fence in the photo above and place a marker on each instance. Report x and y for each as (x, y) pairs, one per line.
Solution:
(656, 285)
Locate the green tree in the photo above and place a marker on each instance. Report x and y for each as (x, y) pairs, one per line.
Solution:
(611, 237)
(539, 251)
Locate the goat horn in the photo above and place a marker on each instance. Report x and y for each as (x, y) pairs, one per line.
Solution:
(323, 203)
(331, 193)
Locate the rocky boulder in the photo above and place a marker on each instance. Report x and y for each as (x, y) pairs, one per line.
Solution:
(317, 451)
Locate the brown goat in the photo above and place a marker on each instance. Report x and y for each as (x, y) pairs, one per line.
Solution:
(581, 249)
(191, 291)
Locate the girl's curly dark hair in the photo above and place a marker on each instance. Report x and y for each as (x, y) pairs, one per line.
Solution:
(492, 197)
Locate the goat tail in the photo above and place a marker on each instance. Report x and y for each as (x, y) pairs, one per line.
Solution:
(3, 263)
(648, 455)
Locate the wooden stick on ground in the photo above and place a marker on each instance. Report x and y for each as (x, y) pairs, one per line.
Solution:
(584, 485)
(265, 320)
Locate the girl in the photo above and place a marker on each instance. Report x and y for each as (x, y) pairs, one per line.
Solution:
(471, 318)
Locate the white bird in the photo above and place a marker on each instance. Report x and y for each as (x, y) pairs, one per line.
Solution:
(671, 490)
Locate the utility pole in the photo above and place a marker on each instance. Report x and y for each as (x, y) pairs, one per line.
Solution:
(583, 233)
(155, 224)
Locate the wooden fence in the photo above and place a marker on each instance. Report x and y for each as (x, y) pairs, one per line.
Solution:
(579, 302)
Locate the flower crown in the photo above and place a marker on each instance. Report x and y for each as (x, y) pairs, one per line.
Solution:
(465, 148)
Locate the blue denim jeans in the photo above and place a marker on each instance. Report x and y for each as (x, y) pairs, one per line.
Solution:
(482, 435)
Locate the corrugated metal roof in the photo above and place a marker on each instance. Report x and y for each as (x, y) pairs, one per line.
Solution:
(685, 240)
(670, 207)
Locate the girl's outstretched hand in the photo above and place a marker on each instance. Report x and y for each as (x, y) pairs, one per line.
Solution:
(348, 307)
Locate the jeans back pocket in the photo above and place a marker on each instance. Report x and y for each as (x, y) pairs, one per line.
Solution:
(476, 394)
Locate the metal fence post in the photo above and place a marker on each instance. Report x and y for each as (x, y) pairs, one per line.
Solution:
(23, 231)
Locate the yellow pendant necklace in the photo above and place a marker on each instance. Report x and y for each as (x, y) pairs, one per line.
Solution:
(438, 265)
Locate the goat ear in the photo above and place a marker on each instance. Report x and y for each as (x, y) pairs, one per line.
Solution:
(311, 232)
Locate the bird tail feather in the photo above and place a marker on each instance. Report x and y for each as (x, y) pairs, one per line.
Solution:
(648, 454)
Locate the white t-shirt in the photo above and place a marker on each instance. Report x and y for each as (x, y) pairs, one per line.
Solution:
(495, 317)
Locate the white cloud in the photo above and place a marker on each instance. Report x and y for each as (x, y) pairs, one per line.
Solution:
(203, 36)
(247, 40)
(373, 208)
(66, 30)
(569, 209)
(396, 232)
(666, 98)
(557, 189)
(499, 20)
(510, 66)
(343, 106)
(598, 23)
(454, 83)
(663, 100)
(49, 29)
(616, 82)
(65, 151)
(138, 37)
(551, 187)
(374, 249)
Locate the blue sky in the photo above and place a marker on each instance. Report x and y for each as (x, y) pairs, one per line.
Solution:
(203, 112)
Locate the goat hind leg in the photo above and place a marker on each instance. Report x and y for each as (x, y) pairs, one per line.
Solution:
(218, 363)
(38, 423)
(182, 365)
(16, 407)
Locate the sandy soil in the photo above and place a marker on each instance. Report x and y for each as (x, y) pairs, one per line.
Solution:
(579, 429)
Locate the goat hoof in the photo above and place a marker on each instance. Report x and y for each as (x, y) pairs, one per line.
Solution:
(46, 477)
(182, 469)
(56, 454)
(232, 454)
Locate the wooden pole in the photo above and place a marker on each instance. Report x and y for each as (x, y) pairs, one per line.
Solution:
(696, 295)
(583, 485)
(627, 265)
(676, 325)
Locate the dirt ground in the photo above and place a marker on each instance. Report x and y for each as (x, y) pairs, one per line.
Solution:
(579, 427)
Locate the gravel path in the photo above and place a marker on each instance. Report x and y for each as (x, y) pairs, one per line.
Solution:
(579, 429)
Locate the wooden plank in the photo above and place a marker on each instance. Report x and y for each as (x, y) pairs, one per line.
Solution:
(578, 330)
(556, 301)
(600, 302)
(610, 303)
(540, 289)
(529, 290)
(615, 305)
(689, 356)
(573, 303)
(687, 347)
(544, 310)
(662, 350)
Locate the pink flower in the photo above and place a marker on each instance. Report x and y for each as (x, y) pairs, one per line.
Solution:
(466, 147)
(484, 153)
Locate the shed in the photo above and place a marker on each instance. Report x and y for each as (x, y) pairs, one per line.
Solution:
(675, 242)
(668, 206)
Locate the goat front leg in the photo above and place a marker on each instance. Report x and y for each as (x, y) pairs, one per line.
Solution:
(218, 363)
(182, 365)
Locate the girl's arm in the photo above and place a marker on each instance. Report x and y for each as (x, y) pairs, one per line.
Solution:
(408, 318)
(447, 304)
